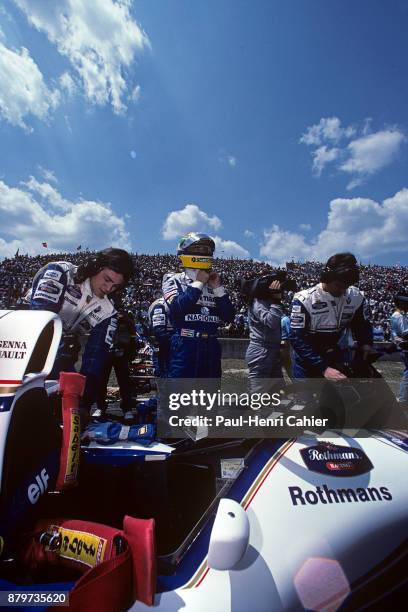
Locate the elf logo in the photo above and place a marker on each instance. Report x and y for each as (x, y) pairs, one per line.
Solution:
(39, 487)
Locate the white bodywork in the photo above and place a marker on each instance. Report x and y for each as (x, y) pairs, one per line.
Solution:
(301, 555)
(19, 333)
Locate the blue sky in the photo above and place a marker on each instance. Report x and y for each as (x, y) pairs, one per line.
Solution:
(280, 128)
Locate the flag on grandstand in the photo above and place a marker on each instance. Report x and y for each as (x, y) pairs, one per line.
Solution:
(45, 245)
(79, 247)
(17, 252)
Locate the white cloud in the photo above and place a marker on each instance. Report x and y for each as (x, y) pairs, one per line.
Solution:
(360, 225)
(371, 153)
(47, 174)
(23, 91)
(249, 234)
(67, 83)
(328, 129)
(229, 248)
(188, 219)
(99, 38)
(322, 156)
(279, 246)
(362, 156)
(305, 227)
(37, 212)
(232, 161)
(135, 95)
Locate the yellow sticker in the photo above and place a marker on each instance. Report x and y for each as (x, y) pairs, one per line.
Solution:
(81, 546)
(142, 430)
(74, 448)
(1, 545)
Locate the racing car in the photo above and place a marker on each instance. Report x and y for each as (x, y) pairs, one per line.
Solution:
(227, 525)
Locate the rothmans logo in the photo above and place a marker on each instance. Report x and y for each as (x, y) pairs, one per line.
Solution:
(326, 458)
(12, 349)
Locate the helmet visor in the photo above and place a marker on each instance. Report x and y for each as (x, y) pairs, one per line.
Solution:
(200, 248)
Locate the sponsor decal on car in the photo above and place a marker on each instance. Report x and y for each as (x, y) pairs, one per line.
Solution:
(322, 494)
(327, 458)
(39, 487)
(13, 349)
(296, 308)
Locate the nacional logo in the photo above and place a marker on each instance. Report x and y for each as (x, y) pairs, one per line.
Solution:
(205, 310)
(327, 458)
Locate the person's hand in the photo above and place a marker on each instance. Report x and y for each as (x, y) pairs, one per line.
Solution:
(333, 374)
(275, 287)
(214, 280)
(202, 276)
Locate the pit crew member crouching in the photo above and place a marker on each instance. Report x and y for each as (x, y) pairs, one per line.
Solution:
(80, 296)
(321, 314)
(197, 304)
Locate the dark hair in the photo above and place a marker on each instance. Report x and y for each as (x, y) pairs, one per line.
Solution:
(117, 260)
(341, 266)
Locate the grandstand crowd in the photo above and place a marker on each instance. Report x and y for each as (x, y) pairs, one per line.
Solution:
(378, 283)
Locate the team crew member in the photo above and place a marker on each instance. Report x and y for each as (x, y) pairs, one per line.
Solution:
(197, 304)
(399, 335)
(80, 296)
(321, 314)
(263, 352)
(162, 331)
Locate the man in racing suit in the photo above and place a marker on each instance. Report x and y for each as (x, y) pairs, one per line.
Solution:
(80, 296)
(162, 331)
(321, 314)
(399, 335)
(197, 303)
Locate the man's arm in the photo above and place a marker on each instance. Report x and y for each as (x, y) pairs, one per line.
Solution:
(49, 288)
(222, 299)
(224, 305)
(361, 326)
(96, 353)
(180, 302)
(158, 321)
(270, 317)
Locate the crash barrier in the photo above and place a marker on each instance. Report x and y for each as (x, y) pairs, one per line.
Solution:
(235, 348)
(116, 567)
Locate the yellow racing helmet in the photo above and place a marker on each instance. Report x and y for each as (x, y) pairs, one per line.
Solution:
(196, 251)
